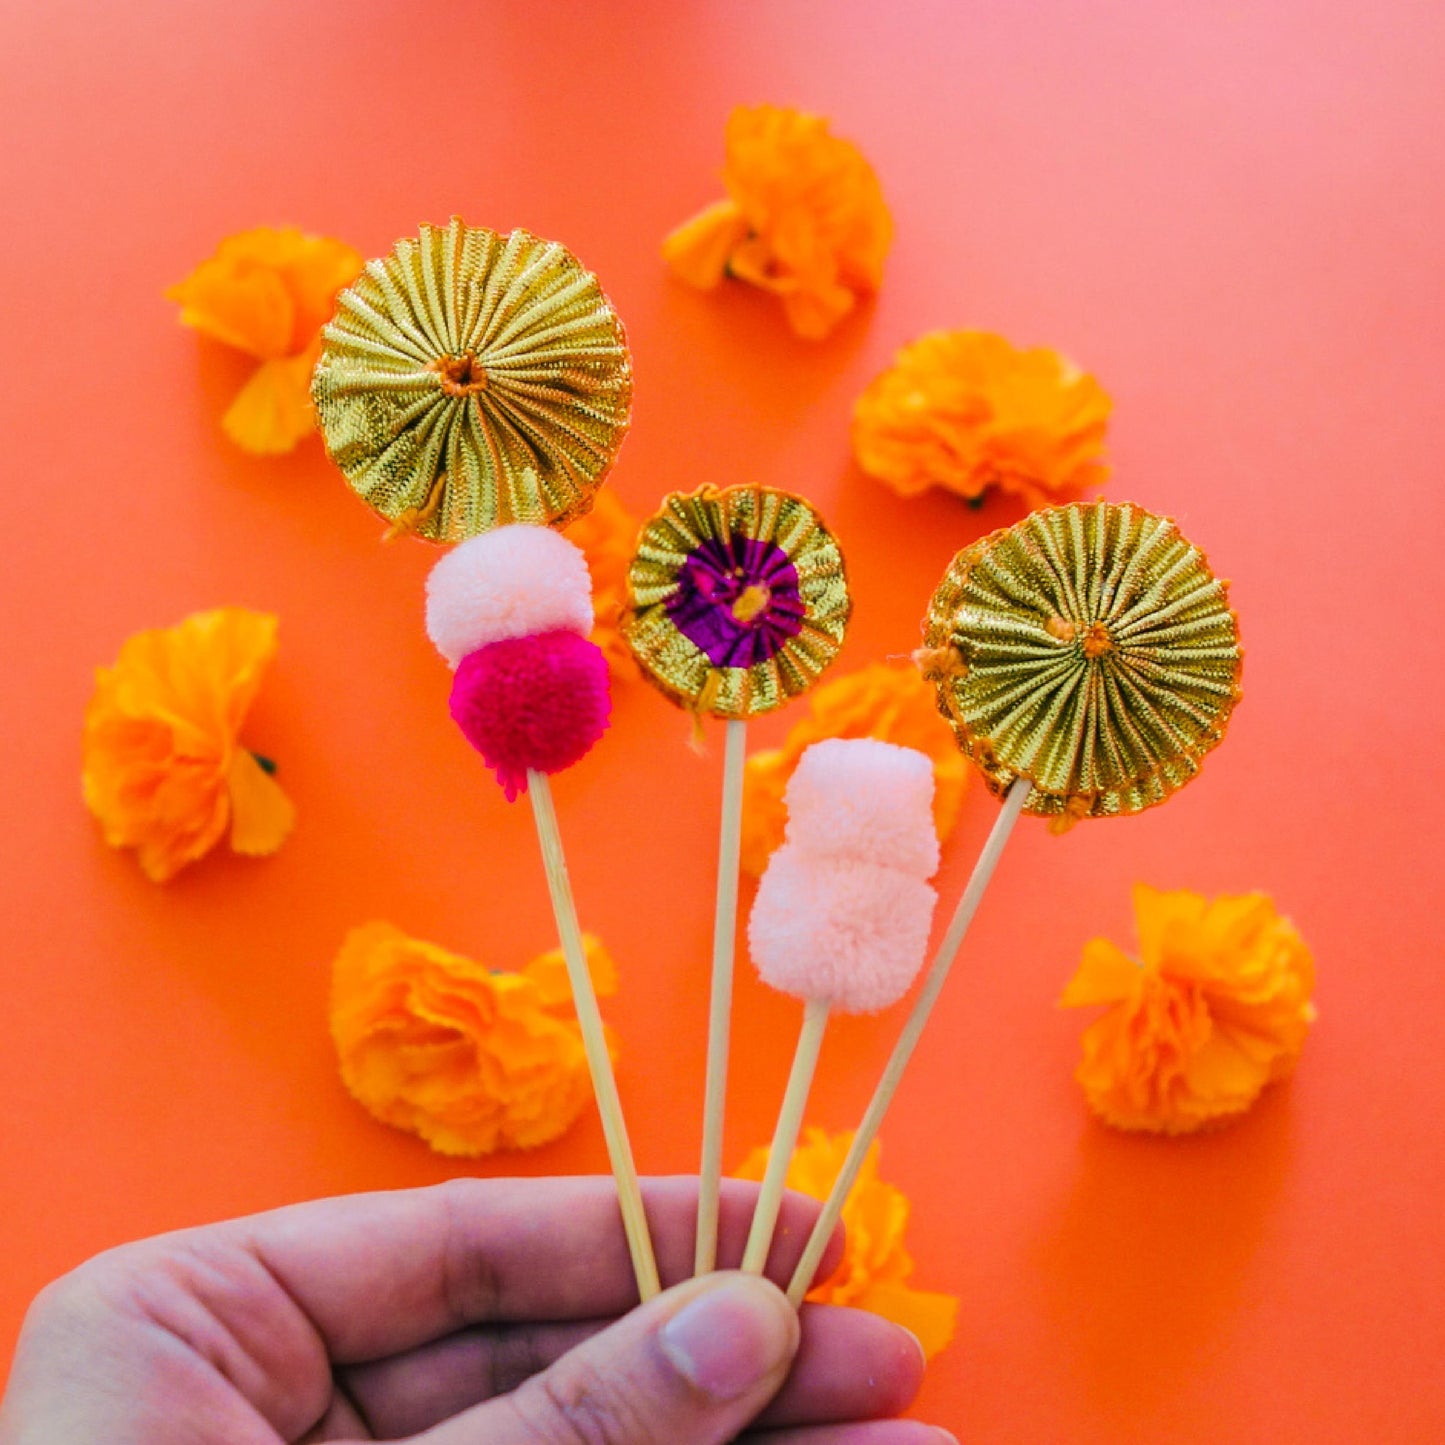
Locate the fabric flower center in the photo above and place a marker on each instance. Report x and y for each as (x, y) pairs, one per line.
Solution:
(1097, 640)
(1094, 636)
(737, 600)
(461, 375)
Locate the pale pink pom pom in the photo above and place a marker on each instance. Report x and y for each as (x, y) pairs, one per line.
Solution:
(867, 800)
(514, 582)
(851, 934)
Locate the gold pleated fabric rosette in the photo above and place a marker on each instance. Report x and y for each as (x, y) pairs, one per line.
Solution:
(737, 599)
(470, 380)
(1090, 649)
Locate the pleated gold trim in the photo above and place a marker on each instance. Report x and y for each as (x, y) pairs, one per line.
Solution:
(1087, 648)
(470, 380)
(678, 665)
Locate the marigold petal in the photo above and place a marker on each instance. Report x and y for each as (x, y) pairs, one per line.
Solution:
(1161, 917)
(267, 291)
(273, 412)
(262, 816)
(966, 410)
(1228, 1068)
(1218, 1008)
(470, 1059)
(932, 1317)
(1106, 974)
(607, 536)
(813, 313)
(185, 818)
(698, 250)
(548, 972)
(161, 732)
(875, 1262)
(805, 219)
(249, 309)
(315, 268)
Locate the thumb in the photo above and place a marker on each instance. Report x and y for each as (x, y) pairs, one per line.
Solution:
(694, 1364)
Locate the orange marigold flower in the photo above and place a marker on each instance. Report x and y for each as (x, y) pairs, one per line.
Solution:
(1217, 1007)
(804, 219)
(268, 292)
(162, 767)
(965, 410)
(878, 701)
(607, 536)
(875, 1267)
(470, 1058)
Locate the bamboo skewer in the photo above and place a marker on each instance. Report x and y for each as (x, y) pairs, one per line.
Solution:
(785, 1136)
(973, 892)
(594, 1040)
(724, 951)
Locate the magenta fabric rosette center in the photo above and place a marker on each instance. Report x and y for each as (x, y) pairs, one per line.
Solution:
(737, 599)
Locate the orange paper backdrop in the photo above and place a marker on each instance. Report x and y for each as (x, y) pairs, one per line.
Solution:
(1232, 214)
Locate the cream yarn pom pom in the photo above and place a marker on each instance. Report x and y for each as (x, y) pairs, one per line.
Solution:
(516, 581)
(848, 932)
(865, 799)
(844, 910)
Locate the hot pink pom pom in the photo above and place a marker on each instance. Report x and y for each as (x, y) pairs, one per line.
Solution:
(532, 702)
(849, 933)
(864, 799)
(516, 581)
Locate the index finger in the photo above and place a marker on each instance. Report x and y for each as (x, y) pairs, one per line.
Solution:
(380, 1273)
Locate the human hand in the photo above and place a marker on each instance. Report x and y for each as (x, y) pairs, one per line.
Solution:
(479, 1312)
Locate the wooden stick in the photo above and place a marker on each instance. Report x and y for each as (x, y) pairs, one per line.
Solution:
(807, 1268)
(724, 948)
(594, 1040)
(785, 1136)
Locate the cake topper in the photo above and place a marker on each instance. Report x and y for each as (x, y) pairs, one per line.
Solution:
(1089, 649)
(1087, 659)
(475, 388)
(737, 600)
(470, 380)
(510, 611)
(842, 915)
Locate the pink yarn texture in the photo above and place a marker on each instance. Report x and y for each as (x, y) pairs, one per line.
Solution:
(853, 933)
(532, 702)
(844, 908)
(866, 799)
(514, 582)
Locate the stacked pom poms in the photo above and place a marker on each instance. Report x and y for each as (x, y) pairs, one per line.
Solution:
(844, 908)
(510, 610)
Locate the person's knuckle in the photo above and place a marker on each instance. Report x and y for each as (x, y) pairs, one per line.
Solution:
(100, 1278)
(469, 1284)
(77, 1304)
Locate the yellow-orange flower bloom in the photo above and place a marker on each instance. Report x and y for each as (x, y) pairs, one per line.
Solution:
(1217, 1007)
(470, 1058)
(804, 219)
(162, 766)
(607, 536)
(875, 1268)
(268, 292)
(878, 701)
(965, 410)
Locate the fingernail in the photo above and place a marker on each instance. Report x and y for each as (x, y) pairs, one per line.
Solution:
(946, 1437)
(730, 1339)
(922, 1355)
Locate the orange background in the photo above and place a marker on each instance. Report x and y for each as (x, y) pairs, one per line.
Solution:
(1231, 214)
